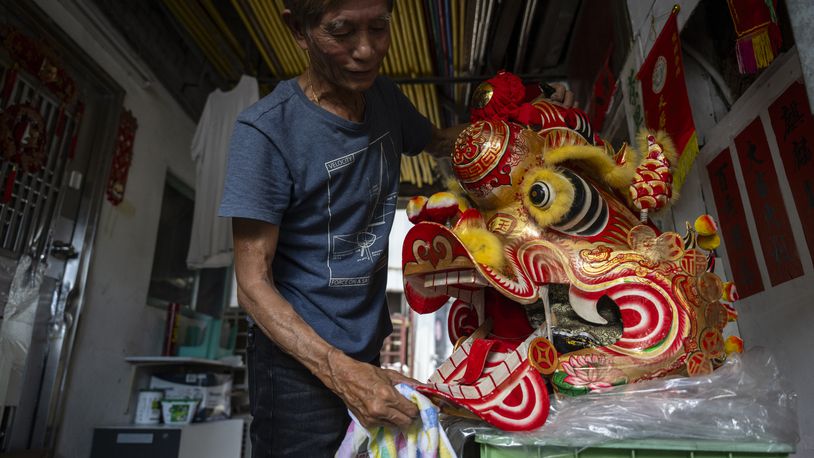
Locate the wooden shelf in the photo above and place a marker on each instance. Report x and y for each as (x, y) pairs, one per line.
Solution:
(178, 360)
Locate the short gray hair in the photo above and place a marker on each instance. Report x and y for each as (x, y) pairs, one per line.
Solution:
(309, 12)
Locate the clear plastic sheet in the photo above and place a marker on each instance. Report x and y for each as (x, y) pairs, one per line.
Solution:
(745, 400)
(17, 326)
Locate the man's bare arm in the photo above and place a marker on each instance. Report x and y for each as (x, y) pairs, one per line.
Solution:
(366, 390)
(443, 141)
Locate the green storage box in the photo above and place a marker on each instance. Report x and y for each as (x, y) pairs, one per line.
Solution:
(653, 448)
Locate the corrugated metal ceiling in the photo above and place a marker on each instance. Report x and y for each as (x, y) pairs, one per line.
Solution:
(440, 48)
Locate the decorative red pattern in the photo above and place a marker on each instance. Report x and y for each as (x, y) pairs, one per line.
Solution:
(520, 403)
(122, 157)
(432, 252)
(652, 183)
(482, 158)
(37, 59)
(463, 320)
(540, 262)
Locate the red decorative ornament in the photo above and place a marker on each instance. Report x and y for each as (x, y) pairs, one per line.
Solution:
(665, 97)
(22, 137)
(759, 37)
(122, 158)
(37, 59)
(504, 97)
(497, 97)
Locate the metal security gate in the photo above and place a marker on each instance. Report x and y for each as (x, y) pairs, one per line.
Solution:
(58, 104)
(33, 196)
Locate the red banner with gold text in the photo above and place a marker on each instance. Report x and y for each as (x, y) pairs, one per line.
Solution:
(664, 95)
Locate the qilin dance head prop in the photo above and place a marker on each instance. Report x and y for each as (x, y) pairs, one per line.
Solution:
(558, 281)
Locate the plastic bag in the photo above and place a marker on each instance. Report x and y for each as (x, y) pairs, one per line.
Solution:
(746, 399)
(17, 326)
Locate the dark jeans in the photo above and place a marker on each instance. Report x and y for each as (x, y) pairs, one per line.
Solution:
(294, 413)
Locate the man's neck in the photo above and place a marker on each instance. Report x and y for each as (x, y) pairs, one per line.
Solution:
(344, 103)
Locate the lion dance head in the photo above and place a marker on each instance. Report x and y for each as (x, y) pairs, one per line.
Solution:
(557, 281)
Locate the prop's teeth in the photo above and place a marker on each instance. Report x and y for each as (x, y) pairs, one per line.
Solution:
(455, 277)
(585, 308)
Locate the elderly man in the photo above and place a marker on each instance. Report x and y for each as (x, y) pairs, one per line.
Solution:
(311, 187)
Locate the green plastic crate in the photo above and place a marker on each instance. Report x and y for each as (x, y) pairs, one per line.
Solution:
(655, 448)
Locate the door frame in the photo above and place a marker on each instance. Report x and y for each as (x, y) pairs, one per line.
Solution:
(38, 417)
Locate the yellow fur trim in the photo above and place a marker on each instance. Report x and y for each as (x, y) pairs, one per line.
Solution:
(561, 188)
(578, 152)
(667, 146)
(596, 161)
(620, 177)
(463, 205)
(454, 186)
(484, 246)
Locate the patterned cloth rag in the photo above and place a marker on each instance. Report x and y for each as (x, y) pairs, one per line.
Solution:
(425, 438)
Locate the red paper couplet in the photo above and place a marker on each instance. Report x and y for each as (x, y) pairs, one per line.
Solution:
(772, 221)
(734, 229)
(794, 129)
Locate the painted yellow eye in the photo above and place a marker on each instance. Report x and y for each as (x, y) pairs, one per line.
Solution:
(547, 195)
(541, 194)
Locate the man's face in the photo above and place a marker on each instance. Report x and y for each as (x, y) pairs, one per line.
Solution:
(349, 43)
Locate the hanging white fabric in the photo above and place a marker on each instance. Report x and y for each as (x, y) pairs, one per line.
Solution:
(210, 245)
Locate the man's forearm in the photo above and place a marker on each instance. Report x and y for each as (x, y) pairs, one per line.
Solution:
(367, 390)
(277, 319)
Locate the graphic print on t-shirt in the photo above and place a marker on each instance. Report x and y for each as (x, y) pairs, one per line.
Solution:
(355, 256)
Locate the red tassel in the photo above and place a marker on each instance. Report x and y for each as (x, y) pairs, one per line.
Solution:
(12, 175)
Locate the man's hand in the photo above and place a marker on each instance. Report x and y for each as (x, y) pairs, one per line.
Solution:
(369, 392)
(562, 96)
(443, 141)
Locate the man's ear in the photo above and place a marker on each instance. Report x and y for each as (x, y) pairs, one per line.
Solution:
(297, 29)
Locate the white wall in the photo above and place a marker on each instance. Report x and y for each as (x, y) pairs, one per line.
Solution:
(115, 321)
(777, 318)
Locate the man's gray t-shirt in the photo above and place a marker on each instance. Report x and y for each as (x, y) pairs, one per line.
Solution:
(331, 185)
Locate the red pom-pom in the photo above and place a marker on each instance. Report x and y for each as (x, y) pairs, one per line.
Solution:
(508, 93)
